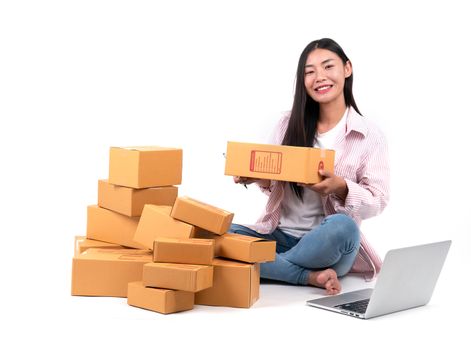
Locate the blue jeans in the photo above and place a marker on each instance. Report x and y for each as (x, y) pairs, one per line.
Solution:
(333, 244)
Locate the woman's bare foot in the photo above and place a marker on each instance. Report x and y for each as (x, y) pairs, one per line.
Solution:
(325, 279)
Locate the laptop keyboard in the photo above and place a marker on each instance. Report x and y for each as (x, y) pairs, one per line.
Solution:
(357, 306)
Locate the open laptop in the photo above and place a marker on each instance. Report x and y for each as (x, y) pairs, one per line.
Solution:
(406, 280)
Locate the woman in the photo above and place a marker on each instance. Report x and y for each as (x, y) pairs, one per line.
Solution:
(316, 226)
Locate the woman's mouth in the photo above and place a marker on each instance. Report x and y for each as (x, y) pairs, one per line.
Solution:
(323, 89)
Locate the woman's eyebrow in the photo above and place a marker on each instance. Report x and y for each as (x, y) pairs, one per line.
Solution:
(323, 62)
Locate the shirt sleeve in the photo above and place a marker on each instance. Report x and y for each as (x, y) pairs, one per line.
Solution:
(370, 194)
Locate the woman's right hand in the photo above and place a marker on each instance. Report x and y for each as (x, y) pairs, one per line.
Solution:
(244, 180)
(250, 180)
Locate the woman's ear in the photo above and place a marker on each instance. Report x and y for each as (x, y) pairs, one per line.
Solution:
(348, 69)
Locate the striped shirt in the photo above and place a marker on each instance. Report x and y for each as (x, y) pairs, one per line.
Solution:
(361, 158)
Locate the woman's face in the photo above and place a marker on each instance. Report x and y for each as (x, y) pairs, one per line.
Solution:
(324, 76)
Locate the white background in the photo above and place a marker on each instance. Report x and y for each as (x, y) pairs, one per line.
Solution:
(77, 77)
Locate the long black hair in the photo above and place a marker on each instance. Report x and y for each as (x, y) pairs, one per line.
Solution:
(302, 124)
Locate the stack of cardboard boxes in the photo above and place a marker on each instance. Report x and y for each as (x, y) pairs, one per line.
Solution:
(164, 253)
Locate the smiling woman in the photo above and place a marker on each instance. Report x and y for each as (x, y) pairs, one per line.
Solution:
(325, 75)
(316, 226)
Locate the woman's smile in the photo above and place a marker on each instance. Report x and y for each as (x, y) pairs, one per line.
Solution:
(323, 89)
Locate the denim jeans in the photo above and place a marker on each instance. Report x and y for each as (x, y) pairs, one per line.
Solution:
(333, 244)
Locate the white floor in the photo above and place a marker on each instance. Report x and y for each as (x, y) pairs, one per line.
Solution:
(41, 317)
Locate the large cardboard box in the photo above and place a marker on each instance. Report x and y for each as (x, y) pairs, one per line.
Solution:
(240, 247)
(235, 284)
(190, 278)
(130, 201)
(107, 226)
(147, 166)
(275, 162)
(165, 301)
(82, 243)
(107, 272)
(184, 250)
(202, 215)
(156, 222)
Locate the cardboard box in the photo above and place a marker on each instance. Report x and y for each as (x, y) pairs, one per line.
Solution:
(130, 201)
(156, 222)
(275, 162)
(82, 243)
(235, 284)
(184, 250)
(107, 272)
(148, 166)
(202, 215)
(240, 247)
(190, 278)
(107, 226)
(164, 301)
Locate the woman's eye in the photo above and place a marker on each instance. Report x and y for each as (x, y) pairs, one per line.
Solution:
(309, 72)
(329, 66)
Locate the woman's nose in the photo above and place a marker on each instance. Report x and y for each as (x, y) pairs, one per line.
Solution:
(320, 77)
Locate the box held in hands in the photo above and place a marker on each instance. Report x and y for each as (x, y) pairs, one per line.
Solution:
(276, 162)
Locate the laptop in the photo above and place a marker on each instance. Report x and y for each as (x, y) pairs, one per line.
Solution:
(406, 280)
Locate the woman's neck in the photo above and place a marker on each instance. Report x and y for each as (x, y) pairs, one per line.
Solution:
(330, 115)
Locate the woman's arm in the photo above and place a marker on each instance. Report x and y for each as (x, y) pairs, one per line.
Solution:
(369, 195)
(366, 197)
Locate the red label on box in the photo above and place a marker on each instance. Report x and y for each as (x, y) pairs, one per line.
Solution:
(265, 162)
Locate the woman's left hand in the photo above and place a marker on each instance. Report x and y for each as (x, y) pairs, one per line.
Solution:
(331, 184)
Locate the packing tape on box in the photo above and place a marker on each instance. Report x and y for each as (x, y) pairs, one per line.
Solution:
(323, 152)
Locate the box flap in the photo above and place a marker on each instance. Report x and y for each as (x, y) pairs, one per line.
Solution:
(116, 254)
(240, 237)
(145, 148)
(227, 262)
(177, 266)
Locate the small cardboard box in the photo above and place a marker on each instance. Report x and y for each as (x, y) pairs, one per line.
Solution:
(82, 243)
(130, 201)
(202, 215)
(107, 226)
(165, 301)
(235, 284)
(240, 247)
(190, 278)
(156, 222)
(275, 162)
(147, 166)
(184, 250)
(107, 272)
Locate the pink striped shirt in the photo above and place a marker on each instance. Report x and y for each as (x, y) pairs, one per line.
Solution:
(361, 158)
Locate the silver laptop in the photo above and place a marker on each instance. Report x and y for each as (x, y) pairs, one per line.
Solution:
(406, 280)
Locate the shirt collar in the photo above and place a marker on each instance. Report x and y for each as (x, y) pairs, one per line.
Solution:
(355, 122)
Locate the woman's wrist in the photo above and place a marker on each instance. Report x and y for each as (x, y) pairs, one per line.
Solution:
(342, 190)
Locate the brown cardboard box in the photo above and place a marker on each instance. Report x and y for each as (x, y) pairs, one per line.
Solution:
(235, 284)
(156, 222)
(190, 278)
(82, 243)
(107, 226)
(148, 166)
(164, 301)
(240, 247)
(184, 250)
(107, 272)
(202, 215)
(275, 162)
(130, 201)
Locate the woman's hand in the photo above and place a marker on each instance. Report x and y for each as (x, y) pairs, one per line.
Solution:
(331, 184)
(251, 180)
